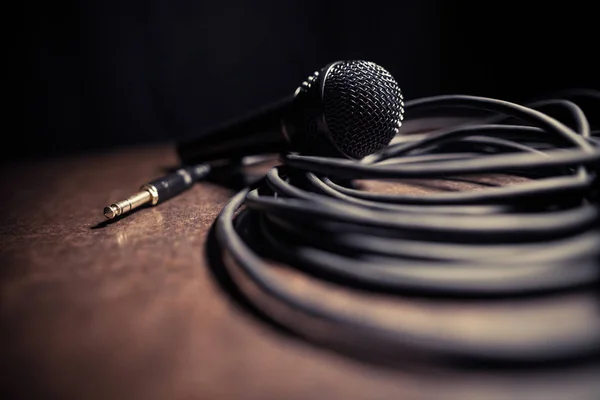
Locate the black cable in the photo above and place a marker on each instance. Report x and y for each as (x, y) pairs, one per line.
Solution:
(539, 236)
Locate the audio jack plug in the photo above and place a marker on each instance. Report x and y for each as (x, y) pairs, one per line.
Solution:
(159, 190)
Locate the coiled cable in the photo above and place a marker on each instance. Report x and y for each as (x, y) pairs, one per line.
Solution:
(535, 237)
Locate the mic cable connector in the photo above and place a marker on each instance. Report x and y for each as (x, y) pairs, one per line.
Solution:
(159, 190)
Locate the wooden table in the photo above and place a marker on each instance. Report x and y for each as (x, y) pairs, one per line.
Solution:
(131, 310)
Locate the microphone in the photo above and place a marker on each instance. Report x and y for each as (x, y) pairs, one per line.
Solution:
(347, 109)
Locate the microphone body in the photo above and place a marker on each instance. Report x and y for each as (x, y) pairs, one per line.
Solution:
(347, 109)
(257, 133)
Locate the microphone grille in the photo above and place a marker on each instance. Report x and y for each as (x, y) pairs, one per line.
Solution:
(363, 107)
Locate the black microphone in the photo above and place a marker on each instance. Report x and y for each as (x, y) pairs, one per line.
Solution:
(346, 109)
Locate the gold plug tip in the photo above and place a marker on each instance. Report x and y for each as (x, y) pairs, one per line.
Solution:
(148, 195)
(110, 212)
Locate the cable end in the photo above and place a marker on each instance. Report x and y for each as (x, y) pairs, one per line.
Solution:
(148, 195)
(111, 211)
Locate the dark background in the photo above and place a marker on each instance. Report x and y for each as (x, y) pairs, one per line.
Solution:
(113, 73)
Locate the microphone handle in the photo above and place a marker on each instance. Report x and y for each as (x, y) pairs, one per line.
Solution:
(257, 133)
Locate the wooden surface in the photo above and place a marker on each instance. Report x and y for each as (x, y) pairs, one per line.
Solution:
(132, 310)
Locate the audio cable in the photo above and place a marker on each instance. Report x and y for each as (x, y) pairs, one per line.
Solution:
(159, 190)
(537, 237)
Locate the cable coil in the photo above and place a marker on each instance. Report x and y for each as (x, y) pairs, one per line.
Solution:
(538, 236)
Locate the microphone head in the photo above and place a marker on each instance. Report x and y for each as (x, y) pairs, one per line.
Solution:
(347, 109)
